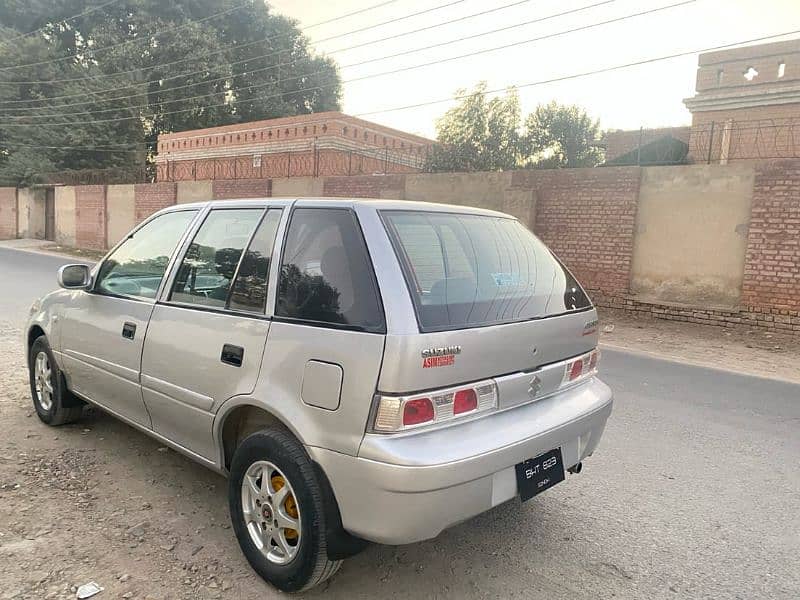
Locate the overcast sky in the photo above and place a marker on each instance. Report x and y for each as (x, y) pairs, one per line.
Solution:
(649, 95)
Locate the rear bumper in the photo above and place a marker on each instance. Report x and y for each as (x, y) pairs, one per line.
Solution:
(404, 489)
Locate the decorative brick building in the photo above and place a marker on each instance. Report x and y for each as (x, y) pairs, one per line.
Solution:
(747, 104)
(321, 144)
(746, 107)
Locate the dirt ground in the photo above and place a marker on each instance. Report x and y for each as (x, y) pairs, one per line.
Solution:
(98, 501)
(740, 349)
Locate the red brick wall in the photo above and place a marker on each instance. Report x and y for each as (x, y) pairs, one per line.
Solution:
(765, 132)
(152, 197)
(364, 186)
(90, 216)
(772, 264)
(588, 217)
(8, 213)
(226, 189)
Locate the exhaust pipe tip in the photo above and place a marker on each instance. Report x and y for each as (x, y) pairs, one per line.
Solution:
(575, 469)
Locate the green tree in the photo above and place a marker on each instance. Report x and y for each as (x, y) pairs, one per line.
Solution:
(557, 135)
(478, 134)
(123, 62)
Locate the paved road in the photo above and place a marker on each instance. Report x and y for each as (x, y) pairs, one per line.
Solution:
(25, 276)
(694, 493)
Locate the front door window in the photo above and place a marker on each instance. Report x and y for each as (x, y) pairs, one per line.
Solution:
(137, 267)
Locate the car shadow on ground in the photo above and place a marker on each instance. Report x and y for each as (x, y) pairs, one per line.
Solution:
(473, 558)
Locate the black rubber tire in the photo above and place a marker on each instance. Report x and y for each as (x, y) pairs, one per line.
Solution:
(66, 408)
(311, 566)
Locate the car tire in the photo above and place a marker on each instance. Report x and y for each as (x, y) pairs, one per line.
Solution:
(290, 559)
(54, 403)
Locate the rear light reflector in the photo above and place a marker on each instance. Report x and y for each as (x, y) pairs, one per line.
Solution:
(576, 370)
(400, 413)
(581, 367)
(465, 401)
(417, 411)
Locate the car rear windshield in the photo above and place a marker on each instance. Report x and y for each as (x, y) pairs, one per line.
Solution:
(473, 270)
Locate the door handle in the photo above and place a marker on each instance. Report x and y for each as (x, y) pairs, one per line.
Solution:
(129, 331)
(232, 355)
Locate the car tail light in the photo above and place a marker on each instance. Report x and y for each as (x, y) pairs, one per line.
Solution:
(400, 413)
(576, 370)
(417, 411)
(581, 367)
(465, 401)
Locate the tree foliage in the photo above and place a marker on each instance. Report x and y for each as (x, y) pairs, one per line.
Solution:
(145, 67)
(561, 136)
(488, 134)
(478, 134)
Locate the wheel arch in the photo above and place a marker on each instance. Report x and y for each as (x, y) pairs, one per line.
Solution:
(35, 331)
(238, 418)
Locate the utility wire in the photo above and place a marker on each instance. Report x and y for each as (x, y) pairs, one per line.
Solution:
(138, 40)
(242, 46)
(363, 62)
(364, 77)
(583, 74)
(263, 56)
(66, 20)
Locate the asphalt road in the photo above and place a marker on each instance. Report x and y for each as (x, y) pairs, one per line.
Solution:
(694, 493)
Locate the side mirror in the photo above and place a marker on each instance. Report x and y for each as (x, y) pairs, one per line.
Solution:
(75, 277)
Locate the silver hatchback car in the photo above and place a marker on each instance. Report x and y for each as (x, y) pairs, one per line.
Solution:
(362, 370)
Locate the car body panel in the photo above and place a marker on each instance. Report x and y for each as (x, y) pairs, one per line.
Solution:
(184, 380)
(102, 365)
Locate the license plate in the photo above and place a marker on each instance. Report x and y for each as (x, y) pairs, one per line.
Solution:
(535, 475)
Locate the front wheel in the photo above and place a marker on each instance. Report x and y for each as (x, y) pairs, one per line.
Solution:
(277, 511)
(53, 402)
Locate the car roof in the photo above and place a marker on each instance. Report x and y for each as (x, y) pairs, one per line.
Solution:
(375, 203)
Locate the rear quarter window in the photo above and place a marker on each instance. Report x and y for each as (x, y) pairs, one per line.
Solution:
(326, 275)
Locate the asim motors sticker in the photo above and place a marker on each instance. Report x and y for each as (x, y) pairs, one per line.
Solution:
(440, 357)
(590, 327)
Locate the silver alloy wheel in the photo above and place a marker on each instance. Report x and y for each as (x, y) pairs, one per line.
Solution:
(271, 512)
(43, 381)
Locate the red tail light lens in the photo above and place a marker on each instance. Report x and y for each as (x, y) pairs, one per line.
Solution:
(594, 359)
(576, 370)
(434, 407)
(418, 411)
(465, 401)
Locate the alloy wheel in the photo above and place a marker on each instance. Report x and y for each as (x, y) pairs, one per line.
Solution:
(271, 513)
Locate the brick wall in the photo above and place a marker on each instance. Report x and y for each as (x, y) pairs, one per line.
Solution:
(90, 217)
(364, 186)
(764, 132)
(8, 213)
(223, 189)
(152, 197)
(588, 218)
(772, 268)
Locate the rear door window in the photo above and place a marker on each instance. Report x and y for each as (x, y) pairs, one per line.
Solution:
(326, 275)
(249, 291)
(210, 263)
(473, 270)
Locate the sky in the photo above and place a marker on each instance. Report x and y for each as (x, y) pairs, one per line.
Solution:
(647, 95)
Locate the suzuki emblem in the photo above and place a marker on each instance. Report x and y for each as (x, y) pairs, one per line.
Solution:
(535, 385)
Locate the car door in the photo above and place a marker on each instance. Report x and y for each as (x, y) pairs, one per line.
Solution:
(207, 335)
(104, 329)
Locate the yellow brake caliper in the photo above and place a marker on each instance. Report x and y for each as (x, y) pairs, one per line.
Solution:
(289, 504)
